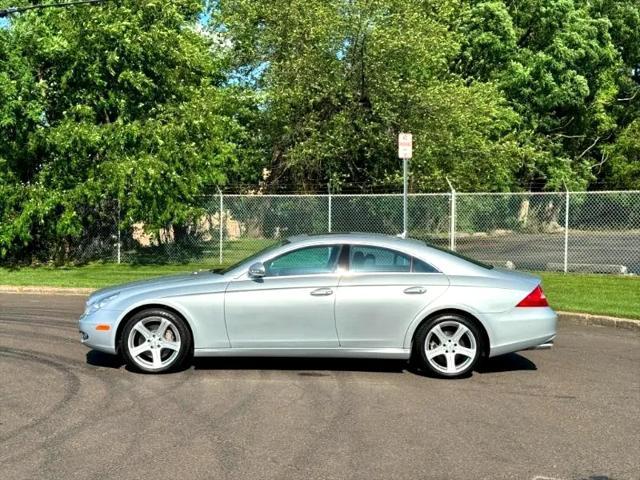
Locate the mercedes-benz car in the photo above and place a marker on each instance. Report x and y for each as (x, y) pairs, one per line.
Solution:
(333, 295)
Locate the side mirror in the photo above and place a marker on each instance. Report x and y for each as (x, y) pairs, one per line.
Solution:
(257, 270)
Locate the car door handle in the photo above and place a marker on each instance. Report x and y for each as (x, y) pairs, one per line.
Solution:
(321, 292)
(415, 290)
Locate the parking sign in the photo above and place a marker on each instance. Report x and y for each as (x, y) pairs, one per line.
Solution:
(405, 145)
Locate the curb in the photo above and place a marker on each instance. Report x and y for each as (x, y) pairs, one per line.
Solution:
(46, 290)
(599, 320)
(580, 318)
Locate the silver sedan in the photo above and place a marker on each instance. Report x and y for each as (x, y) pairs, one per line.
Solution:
(334, 295)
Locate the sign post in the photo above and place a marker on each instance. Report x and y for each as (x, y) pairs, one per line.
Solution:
(405, 152)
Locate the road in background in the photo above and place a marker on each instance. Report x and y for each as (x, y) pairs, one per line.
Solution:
(66, 412)
(540, 251)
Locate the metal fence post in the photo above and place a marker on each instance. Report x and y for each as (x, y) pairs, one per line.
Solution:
(119, 245)
(405, 200)
(566, 230)
(454, 213)
(329, 213)
(452, 222)
(221, 224)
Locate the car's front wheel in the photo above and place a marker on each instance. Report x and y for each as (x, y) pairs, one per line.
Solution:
(155, 340)
(447, 345)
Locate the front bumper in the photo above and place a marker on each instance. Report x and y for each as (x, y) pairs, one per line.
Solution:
(102, 340)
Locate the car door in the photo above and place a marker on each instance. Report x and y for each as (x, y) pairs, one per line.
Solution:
(381, 294)
(292, 306)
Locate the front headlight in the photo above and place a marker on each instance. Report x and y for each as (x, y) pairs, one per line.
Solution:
(94, 307)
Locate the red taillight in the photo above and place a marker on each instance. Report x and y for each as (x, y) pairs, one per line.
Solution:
(534, 299)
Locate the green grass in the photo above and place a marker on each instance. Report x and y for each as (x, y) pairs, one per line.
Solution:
(94, 275)
(101, 274)
(598, 294)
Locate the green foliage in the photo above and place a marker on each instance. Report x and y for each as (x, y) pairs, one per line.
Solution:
(132, 109)
(625, 157)
(337, 81)
(123, 102)
(264, 216)
(569, 68)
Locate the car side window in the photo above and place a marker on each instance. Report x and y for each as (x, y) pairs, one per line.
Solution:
(304, 261)
(421, 267)
(376, 259)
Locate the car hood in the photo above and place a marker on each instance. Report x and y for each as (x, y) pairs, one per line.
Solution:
(166, 281)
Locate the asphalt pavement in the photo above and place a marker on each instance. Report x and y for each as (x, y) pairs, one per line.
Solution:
(535, 251)
(572, 412)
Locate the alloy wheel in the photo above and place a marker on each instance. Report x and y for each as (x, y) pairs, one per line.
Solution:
(450, 347)
(154, 343)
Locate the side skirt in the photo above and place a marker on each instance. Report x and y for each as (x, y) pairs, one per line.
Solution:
(397, 353)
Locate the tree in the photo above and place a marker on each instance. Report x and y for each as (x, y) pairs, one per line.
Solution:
(336, 81)
(121, 103)
(568, 67)
(624, 155)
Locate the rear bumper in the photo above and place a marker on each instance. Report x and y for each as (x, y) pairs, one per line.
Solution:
(522, 329)
(542, 346)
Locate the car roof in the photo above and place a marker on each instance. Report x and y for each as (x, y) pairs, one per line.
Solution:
(355, 237)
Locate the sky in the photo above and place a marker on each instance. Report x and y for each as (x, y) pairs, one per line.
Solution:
(204, 19)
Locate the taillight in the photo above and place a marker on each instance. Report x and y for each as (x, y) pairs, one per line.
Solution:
(535, 299)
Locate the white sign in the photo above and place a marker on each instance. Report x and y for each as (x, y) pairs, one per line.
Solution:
(405, 145)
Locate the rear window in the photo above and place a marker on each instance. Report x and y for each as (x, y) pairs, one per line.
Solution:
(378, 259)
(420, 267)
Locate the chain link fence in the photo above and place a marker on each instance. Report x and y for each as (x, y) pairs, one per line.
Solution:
(569, 231)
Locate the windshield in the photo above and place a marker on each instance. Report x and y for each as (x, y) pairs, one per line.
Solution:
(251, 257)
(463, 257)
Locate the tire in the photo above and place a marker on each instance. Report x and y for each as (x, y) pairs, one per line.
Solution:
(145, 349)
(454, 344)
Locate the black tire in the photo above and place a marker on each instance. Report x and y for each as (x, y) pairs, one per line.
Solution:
(177, 328)
(470, 338)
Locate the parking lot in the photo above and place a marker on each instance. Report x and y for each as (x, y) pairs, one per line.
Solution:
(66, 412)
(539, 251)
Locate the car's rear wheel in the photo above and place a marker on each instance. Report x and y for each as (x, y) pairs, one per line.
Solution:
(447, 345)
(155, 341)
